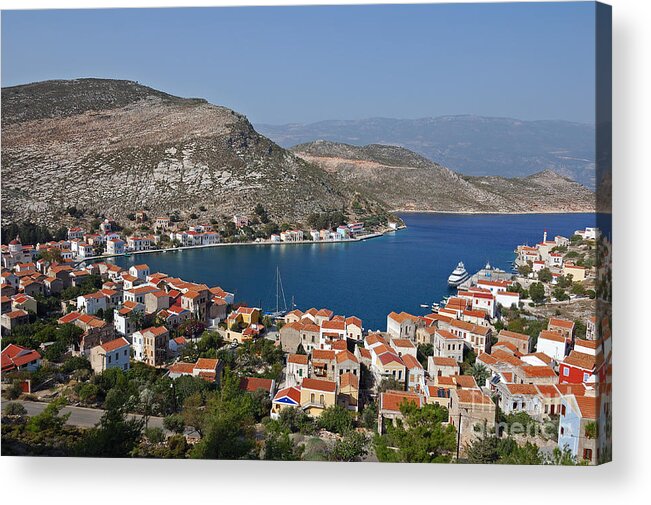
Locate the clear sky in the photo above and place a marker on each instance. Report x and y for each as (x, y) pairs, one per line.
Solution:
(304, 64)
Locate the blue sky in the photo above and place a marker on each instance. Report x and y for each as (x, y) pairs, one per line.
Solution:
(304, 64)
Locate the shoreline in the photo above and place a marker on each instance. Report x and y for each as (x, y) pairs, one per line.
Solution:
(361, 238)
(495, 213)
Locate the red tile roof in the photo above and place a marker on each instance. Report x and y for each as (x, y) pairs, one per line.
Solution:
(14, 356)
(252, 384)
(299, 359)
(319, 385)
(391, 400)
(115, 344)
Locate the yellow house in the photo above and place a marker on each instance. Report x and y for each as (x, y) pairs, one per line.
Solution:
(317, 395)
(244, 315)
(577, 272)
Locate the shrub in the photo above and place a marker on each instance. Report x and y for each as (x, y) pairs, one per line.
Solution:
(14, 409)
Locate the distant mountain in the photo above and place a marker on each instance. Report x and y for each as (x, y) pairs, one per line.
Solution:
(472, 145)
(408, 181)
(112, 147)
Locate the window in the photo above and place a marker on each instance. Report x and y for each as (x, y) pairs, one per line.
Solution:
(587, 454)
(562, 410)
(566, 371)
(312, 397)
(321, 400)
(562, 430)
(586, 376)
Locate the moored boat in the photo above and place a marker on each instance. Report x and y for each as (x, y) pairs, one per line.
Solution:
(458, 275)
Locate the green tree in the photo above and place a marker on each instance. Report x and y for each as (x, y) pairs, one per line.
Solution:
(336, 419)
(545, 275)
(351, 447)
(525, 270)
(537, 292)
(420, 438)
(480, 373)
(50, 419)
(174, 423)
(14, 409)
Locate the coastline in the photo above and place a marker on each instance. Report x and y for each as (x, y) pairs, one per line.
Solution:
(494, 213)
(361, 238)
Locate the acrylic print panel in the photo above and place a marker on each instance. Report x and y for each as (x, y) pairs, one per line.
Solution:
(276, 233)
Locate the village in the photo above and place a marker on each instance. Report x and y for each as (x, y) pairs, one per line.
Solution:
(146, 234)
(479, 370)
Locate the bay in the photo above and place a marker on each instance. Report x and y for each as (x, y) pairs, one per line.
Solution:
(398, 271)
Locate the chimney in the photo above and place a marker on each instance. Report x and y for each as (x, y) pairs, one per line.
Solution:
(545, 236)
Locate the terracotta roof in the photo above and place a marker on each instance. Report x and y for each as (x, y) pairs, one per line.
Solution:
(115, 344)
(590, 344)
(206, 364)
(345, 356)
(538, 371)
(299, 359)
(319, 385)
(323, 354)
(581, 360)
(447, 335)
(465, 381)
(563, 323)
(339, 345)
(364, 353)
(334, 325)
(155, 330)
(551, 335)
(14, 356)
(389, 357)
(513, 334)
(588, 406)
(14, 314)
(349, 380)
(473, 396)
(522, 389)
(375, 338)
(442, 361)
(293, 393)
(354, 320)
(252, 384)
(411, 362)
(182, 368)
(402, 342)
(391, 400)
(403, 316)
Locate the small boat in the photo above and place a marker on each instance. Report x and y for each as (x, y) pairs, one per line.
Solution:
(458, 276)
(424, 305)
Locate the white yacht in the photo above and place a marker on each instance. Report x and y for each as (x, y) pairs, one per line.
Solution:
(459, 275)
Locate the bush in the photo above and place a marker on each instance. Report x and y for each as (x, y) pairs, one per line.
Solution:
(14, 409)
(13, 391)
(174, 423)
(336, 419)
(155, 435)
(88, 393)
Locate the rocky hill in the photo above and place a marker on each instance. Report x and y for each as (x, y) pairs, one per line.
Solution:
(112, 147)
(408, 181)
(472, 145)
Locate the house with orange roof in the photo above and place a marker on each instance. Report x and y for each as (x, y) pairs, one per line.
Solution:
(448, 345)
(554, 344)
(156, 300)
(297, 369)
(151, 345)
(254, 384)
(578, 423)
(513, 398)
(363, 355)
(519, 340)
(527, 374)
(289, 397)
(346, 362)
(317, 395)
(579, 367)
(577, 272)
(470, 408)
(402, 325)
(476, 337)
(24, 302)
(323, 364)
(348, 391)
(403, 346)
(390, 404)
(425, 335)
(10, 320)
(592, 347)
(16, 358)
(208, 369)
(92, 303)
(438, 366)
(415, 373)
(297, 333)
(354, 328)
(562, 326)
(124, 317)
(112, 354)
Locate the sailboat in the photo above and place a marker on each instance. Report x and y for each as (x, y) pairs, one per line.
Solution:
(280, 293)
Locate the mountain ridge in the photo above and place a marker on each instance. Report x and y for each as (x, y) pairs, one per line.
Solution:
(470, 144)
(428, 186)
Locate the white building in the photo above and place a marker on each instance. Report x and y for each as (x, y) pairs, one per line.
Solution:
(553, 344)
(113, 354)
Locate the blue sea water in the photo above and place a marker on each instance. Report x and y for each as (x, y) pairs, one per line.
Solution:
(369, 279)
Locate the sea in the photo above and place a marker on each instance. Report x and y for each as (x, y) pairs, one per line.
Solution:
(399, 271)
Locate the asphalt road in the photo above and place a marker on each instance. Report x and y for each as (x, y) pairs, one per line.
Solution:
(80, 416)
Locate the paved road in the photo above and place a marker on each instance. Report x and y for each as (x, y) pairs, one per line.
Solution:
(80, 416)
